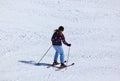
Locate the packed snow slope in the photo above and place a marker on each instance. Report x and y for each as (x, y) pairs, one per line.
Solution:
(91, 26)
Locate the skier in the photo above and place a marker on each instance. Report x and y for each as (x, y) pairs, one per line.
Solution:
(57, 39)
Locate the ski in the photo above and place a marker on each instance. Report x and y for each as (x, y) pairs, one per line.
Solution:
(54, 65)
(60, 68)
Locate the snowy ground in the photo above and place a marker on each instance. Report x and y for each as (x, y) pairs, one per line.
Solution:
(91, 26)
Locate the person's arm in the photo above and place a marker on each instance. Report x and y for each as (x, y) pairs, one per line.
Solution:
(64, 41)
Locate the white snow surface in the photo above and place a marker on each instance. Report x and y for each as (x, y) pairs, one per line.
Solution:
(91, 26)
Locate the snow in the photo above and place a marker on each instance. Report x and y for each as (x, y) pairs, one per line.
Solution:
(91, 26)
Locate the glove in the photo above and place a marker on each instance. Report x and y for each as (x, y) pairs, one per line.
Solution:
(69, 45)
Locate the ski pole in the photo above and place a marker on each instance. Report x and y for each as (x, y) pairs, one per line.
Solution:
(68, 55)
(44, 54)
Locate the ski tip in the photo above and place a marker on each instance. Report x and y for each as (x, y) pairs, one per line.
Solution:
(73, 63)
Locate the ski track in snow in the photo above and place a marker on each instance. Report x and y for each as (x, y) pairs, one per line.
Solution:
(92, 26)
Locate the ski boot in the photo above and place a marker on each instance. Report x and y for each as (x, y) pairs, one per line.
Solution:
(55, 63)
(63, 65)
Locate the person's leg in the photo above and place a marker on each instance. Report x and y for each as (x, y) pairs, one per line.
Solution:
(61, 54)
(56, 53)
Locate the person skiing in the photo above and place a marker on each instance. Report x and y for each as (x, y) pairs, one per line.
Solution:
(57, 39)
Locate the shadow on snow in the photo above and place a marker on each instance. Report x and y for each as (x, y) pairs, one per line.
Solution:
(34, 63)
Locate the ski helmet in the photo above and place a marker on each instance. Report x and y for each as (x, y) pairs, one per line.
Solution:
(61, 28)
